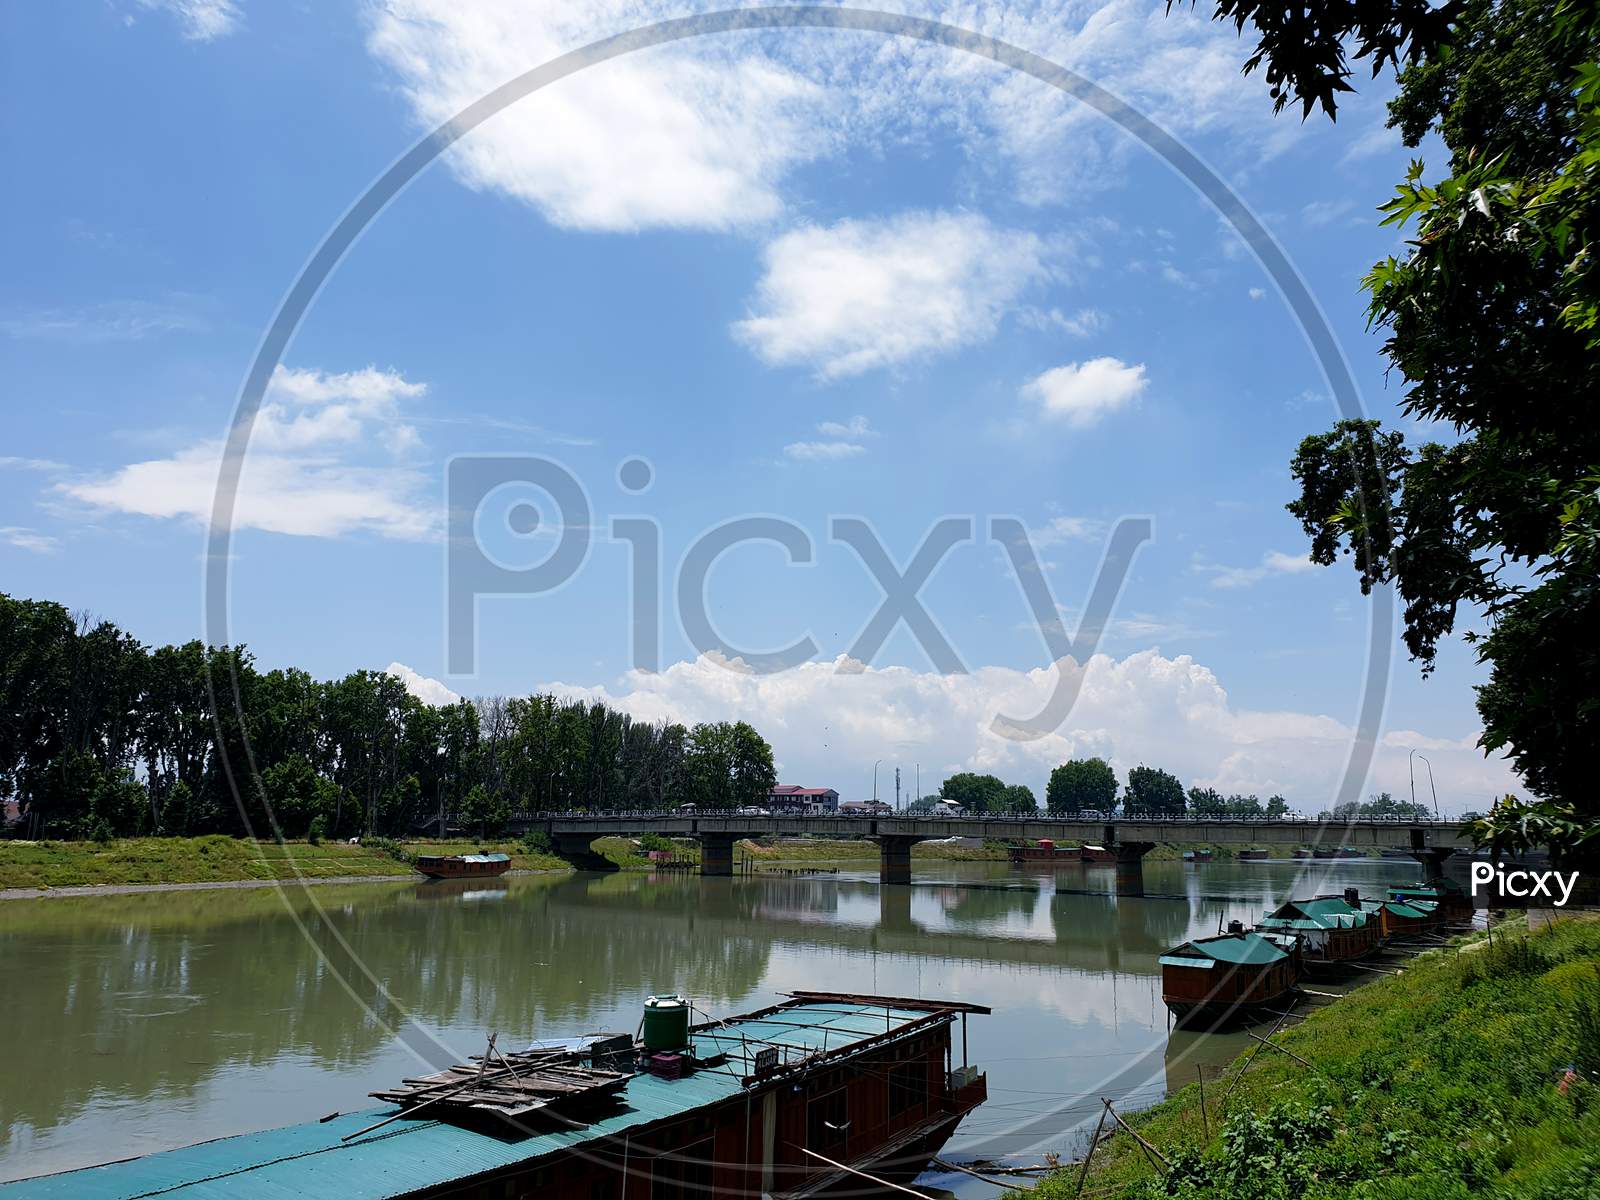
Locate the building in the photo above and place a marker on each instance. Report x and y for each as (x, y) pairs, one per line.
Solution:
(790, 798)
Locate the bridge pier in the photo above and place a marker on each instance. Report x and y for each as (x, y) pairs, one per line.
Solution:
(1432, 860)
(894, 858)
(1130, 867)
(716, 853)
(577, 849)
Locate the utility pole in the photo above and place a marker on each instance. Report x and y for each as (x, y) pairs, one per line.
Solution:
(897, 789)
(919, 782)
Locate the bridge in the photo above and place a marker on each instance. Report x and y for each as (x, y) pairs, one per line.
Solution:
(1129, 838)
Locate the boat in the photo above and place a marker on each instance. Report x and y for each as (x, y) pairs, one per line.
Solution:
(463, 866)
(1398, 852)
(1096, 854)
(1348, 852)
(1451, 903)
(797, 1099)
(1197, 856)
(1210, 981)
(1325, 852)
(1330, 931)
(1404, 919)
(1252, 856)
(1044, 850)
(1302, 854)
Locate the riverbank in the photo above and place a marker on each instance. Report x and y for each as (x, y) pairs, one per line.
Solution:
(1450, 1080)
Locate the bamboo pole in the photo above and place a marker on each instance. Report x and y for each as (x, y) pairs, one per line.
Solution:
(869, 1178)
(1015, 1187)
(1205, 1125)
(1093, 1142)
(1284, 1049)
(1148, 1148)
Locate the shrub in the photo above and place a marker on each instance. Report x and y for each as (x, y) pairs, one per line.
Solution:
(654, 841)
(318, 831)
(537, 841)
(393, 848)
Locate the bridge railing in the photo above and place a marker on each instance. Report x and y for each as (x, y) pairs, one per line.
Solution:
(958, 818)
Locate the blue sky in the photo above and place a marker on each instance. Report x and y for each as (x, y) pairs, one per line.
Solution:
(802, 275)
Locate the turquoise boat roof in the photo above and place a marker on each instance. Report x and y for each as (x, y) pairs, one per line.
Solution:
(1243, 948)
(412, 1154)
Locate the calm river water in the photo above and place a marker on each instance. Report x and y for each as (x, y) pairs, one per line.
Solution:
(139, 1022)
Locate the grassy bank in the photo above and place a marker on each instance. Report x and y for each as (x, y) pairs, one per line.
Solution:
(219, 859)
(1441, 1083)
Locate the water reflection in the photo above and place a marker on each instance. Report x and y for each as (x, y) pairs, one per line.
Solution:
(142, 1021)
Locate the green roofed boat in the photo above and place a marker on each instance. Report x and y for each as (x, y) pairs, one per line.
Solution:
(1331, 931)
(796, 1100)
(1210, 981)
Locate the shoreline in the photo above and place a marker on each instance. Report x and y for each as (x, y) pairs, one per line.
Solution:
(130, 889)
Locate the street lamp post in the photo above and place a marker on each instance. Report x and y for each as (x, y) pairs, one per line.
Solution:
(875, 780)
(1411, 762)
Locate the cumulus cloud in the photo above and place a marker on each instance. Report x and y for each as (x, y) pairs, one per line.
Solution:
(706, 134)
(855, 427)
(1083, 394)
(1059, 530)
(1274, 562)
(849, 297)
(825, 723)
(424, 688)
(327, 457)
(683, 137)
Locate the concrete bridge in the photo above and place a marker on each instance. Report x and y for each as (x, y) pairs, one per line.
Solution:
(1129, 838)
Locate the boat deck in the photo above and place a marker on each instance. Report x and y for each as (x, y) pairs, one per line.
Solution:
(415, 1154)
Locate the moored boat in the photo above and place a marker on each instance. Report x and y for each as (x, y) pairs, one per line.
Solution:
(463, 866)
(785, 1102)
(1210, 981)
(1302, 853)
(1408, 919)
(1331, 931)
(1044, 850)
(1197, 856)
(1451, 903)
(1252, 855)
(1096, 854)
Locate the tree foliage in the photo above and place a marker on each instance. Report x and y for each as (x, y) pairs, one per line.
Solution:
(1082, 784)
(100, 734)
(1490, 316)
(1152, 791)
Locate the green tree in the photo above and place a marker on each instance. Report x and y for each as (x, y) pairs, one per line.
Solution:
(1018, 799)
(1492, 318)
(975, 793)
(1152, 791)
(1082, 783)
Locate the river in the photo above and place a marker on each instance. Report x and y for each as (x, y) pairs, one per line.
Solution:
(135, 1023)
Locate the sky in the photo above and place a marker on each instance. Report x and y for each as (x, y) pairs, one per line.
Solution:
(828, 281)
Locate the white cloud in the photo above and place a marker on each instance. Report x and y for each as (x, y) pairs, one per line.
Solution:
(855, 427)
(1081, 394)
(1258, 293)
(313, 467)
(850, 297)
(1083, 323)
(822, 451)
(1274, 562)
(1059, 530)
(119, 321)
(200, 20)
(706, 134)
(424, 688)
(684, 137)
(1324, 212)
(28, 539)
(1173, 712)
(11, 462)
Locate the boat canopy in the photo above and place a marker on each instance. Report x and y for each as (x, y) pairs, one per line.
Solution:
(1236, 949)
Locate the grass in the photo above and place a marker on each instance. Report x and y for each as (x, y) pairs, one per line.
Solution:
(219, 859)
(1441, 1083)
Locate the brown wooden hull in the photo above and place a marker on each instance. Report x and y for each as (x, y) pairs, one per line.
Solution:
(455, 868)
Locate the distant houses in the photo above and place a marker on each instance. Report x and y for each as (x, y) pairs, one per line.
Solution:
(790, 798)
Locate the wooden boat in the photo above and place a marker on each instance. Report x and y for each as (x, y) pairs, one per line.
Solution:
(1096, 854)
(1402, 920)
(1044, 850)
(786, 1102)
(1324, 852)
(1452, 905)
(463, 866)
(1252, 856)
(1331, 931)
(1197, 856)
(1210, 981)
(1302, 854)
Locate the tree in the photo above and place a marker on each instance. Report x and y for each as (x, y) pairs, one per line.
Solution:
(1018, 799)
(1276, 807)
(1152, 791)
(1303, 45)
(1207, 802)
(1082, 783)
(975, 793)
(729, 765)
(1492, 318)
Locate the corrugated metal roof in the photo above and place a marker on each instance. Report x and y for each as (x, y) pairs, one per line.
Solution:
(1239, 948)
(412, 1154)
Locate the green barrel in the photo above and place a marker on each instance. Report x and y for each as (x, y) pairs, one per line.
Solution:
(666, 1023)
